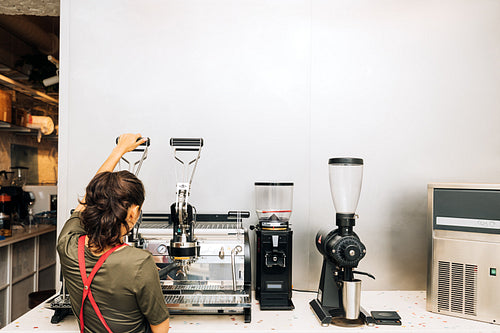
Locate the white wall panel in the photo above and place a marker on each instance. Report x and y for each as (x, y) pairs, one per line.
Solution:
(276, 88)
(413, 88)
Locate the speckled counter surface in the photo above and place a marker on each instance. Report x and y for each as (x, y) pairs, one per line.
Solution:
(409, 304)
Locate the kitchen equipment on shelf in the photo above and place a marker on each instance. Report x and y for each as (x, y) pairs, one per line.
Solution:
(20, 175)
(273, 286)
(5, 216)
(5, 106)
(21, 200)
(6, 178)
(338, 299)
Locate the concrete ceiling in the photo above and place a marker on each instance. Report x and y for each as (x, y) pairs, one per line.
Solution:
(29, 33)
(30, 7)
(25, 43)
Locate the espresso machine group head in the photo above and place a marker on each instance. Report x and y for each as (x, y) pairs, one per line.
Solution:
(184, 247)
(339, 292)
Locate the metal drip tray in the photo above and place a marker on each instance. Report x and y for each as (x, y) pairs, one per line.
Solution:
(198, 225)
(170, 286)
(156, 225)
(201, 228)
(191, 287)
(215, 300)
(61, 302)
(216, 226)
(159, 224)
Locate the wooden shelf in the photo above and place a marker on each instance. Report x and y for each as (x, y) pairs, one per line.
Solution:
(8, 127)
(19, 87)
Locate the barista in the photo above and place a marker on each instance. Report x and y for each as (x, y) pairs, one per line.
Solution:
(125, 294)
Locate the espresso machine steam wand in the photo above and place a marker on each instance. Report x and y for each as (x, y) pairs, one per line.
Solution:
(338, 299)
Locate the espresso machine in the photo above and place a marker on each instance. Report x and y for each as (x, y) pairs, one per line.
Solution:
(204, 259)
(273, 286)
(339, 292)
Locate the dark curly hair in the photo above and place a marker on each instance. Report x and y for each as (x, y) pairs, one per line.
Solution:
(108, 197)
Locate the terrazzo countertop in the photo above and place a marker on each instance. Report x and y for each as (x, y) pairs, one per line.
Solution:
(409, 304)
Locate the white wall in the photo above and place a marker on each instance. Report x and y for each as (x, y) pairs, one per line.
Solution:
(276, 88)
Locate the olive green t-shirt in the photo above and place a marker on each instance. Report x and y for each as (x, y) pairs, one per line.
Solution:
(126, 288)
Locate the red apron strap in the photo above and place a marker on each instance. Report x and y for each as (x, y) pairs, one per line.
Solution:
(87, 281)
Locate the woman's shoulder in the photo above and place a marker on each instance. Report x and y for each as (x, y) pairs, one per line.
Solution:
(133, 253)
(136, 260)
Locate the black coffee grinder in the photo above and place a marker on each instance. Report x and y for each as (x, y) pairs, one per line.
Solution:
(338, 300)
(273, 287)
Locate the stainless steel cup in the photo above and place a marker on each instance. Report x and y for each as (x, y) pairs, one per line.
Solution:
(351, 294)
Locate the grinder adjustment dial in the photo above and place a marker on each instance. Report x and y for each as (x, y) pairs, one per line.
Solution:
(347, 251)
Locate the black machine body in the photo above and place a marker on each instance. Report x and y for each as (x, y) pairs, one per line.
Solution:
(19, 204)
(273, 286)
(183, 244)
(342, 251)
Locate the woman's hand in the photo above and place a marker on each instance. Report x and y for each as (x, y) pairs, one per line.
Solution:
(128, 142)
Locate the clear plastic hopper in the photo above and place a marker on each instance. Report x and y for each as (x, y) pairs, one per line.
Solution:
(346, 176)
(273, 203)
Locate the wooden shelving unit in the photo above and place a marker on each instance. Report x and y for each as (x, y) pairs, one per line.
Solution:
(31, 93)
(19, 87)
(20, 130)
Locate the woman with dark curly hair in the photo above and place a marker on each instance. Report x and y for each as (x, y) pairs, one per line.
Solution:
(112, 287)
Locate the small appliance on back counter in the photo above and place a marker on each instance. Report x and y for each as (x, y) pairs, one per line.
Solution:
(24, 204)
(464, 247)
(21, 201)
(45, 197)
(5, 221)
(273, 286)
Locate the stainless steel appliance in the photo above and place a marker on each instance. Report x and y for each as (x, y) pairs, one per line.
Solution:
(339, 292)
(204, 258)
(219, 280)
(273, 285)
(464, 248)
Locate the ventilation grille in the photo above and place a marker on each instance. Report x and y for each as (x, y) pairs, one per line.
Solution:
(457, 287)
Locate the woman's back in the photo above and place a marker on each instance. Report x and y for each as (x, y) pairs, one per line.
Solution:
(126, 287)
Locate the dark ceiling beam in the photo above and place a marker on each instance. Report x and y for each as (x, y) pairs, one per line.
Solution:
(31, 33)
